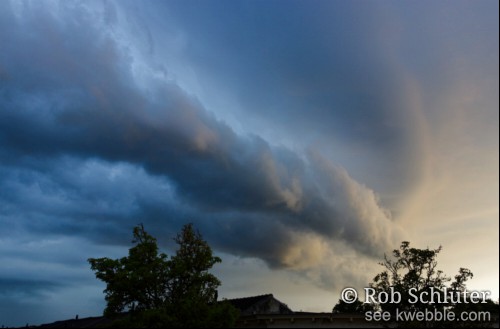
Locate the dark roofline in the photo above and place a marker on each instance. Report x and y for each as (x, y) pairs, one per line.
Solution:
(250, 297)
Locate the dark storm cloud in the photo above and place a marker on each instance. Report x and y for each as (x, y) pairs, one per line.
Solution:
(91, 198)
(26, 288)
(44, 276)
(326, 66)
(228, 114)
(80, 98)
(347, 76)
(327, 72)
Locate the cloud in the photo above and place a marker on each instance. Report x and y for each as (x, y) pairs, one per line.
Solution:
(79, 99)
(338, 82)
(283, 148)
(25, 288)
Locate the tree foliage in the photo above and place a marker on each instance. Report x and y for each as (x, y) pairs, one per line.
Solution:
(137, 282)
(415, 270)
(189, 268)
(162, 292)
(356, 307)
(193, 289)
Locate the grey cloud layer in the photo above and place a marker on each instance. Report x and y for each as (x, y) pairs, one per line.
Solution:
(234, 115)
(347, 76)
(78, 97)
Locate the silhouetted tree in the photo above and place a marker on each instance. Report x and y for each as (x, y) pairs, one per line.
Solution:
(137, 282)
(162, 292)
(355, 307)
(193, 290)
(411, 274)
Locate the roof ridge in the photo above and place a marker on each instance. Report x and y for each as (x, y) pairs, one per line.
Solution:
(263, 295)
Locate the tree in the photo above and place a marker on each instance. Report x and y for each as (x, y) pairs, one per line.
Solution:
(162, 292)
(411, 269)
(137, 282)
(189, 268)
(355, 307)
(193, 290)
(413, 272)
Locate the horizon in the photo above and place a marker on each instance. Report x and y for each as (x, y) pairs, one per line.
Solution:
(304, 141)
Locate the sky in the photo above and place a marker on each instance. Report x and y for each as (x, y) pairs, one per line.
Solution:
(304, 139)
